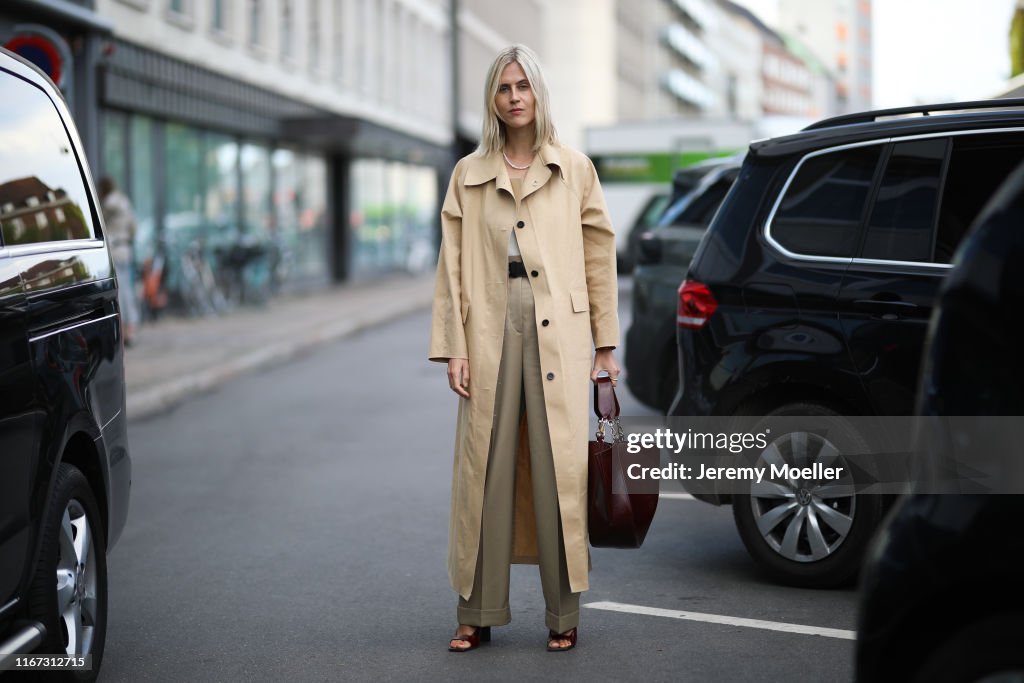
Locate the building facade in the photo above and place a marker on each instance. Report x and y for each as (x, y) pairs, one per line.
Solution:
(323, 131)
(839, 33)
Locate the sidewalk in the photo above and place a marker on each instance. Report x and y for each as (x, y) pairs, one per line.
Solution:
(175, 359)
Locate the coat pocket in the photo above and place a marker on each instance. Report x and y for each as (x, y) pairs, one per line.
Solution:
(580, 300)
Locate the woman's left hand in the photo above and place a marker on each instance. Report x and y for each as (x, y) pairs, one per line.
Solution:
(604, 359)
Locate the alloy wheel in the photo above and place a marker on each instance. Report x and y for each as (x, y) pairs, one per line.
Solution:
(77, 579)
(803, 520)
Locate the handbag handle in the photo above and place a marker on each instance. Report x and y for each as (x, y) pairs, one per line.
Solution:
(606, 404)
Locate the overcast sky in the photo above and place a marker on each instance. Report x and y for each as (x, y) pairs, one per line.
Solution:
(933, 50)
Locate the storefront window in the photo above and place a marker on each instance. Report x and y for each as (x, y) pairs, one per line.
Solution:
(310, 251)
(300, 203)
(221, 191)
(183, 217)
(115, 147)
(256, 190)
(141, 186)
(393, 205)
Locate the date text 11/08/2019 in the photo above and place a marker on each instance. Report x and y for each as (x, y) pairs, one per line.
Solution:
(758, 474)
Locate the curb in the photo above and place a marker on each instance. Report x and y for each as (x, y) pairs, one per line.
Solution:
(162, 397)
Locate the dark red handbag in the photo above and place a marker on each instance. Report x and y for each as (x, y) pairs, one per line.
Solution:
(619, 510)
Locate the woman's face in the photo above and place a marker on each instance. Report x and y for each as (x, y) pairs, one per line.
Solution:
(515, 101)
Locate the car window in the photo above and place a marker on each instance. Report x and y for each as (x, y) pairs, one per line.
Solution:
(823, 207)
(702, 209)
(903, 217)
(978, 164)
(42, 193)
(655, 208)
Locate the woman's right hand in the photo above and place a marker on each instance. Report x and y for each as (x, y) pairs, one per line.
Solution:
(458, 376)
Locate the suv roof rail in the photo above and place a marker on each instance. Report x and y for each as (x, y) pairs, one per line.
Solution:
(923, 109)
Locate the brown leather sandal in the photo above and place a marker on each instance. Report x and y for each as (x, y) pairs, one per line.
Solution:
(482, 634)
(569, 635)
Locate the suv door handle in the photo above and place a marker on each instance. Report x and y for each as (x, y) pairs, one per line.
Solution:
(885, 302)
(886, 309)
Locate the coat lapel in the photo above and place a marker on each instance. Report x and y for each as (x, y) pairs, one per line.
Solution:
(483, 169)
(540, 170)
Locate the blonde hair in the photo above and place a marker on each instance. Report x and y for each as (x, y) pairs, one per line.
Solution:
(492, 137)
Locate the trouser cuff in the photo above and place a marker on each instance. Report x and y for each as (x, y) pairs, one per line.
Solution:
(561, 623)
(484, 617)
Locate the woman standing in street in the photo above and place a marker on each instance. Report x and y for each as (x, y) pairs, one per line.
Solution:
(526, 293)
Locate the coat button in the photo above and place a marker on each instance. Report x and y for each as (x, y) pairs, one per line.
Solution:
(534, 273)
(545, 323)
(551, 375)
(520, 224)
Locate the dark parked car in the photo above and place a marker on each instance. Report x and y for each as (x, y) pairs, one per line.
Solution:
(941, 596)
(663, 256)
(64, 462)
(646, 219)
(811, 294)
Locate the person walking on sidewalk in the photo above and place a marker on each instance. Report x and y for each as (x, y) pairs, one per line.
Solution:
(526, 290)
(119, 220)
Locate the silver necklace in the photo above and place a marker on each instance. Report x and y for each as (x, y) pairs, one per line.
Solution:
(509, 161)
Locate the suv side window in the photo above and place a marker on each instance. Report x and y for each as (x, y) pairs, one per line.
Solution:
(903, 217)
(821, 212)
(977, 166)
(42, 193)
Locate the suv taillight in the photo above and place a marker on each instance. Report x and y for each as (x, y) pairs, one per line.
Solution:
(696, 304)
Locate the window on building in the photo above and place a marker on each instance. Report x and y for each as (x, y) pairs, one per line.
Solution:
(36, 158)
(219, 16)
(255, 23)
(339, 44)
(255, 165)
(220, 204)
(183, 219)
(115, 146)
(287, 30)
(142, 184)
(178, 6)
(822, 209)
(314, 35)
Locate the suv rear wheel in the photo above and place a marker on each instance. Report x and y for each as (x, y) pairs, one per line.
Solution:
(69, 589)
(808, 533)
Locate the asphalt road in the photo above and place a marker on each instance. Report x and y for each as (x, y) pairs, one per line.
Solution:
(293, 526)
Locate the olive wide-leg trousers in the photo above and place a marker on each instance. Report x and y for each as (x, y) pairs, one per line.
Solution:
(520, 387)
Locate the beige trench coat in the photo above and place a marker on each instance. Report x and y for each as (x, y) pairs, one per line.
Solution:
(566, 239)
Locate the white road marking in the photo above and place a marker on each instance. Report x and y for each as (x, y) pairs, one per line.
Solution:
(676, 496)
(728, 621)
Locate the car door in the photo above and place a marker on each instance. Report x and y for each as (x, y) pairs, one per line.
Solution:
(18, 445)
(931, 190)
(887, 291)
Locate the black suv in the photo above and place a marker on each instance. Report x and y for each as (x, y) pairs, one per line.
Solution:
(811, 291)
(64, 463)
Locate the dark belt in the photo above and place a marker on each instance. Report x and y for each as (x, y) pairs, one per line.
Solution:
(516, 269)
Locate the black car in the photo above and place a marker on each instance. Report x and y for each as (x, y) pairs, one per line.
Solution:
(646, 219)
(64, 463)
(941, 597)
(663, 256)
(811, 294)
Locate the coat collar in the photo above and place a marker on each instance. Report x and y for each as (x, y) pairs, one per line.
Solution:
(483, 169)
